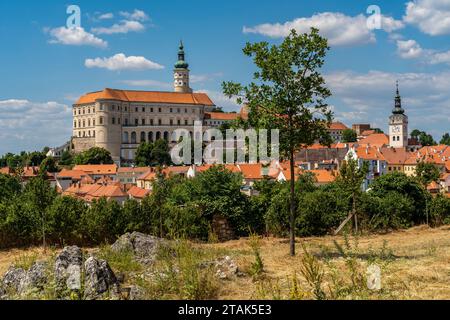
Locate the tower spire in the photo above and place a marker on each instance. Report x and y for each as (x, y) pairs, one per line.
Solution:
(181, 72)
(398, 102)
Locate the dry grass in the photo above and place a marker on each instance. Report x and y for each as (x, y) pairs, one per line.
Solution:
(419, 267)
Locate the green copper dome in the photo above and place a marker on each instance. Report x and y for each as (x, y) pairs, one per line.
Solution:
(181, 63)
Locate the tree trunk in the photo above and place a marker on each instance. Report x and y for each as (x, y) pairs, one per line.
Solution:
(292, 207)
(354, 213)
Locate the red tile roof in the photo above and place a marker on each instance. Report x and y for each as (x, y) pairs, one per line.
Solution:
(337, 126)
(369, 153)
(102, 169)
(395, 155)
(138, 193)
(225, 116)
(376, 139)
(146, 96)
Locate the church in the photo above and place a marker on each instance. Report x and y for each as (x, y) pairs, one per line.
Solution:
(398, 125)
(120, 120)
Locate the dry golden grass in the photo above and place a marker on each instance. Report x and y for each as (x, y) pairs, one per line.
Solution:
(419, 269)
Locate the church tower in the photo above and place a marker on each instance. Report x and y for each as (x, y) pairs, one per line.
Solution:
(398, 124)
(181, 73)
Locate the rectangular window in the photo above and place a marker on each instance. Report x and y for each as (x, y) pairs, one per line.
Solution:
(151, 109)
(113, 120)
(136, 121)
(151, 121)
(159, 121)
(143, 122)
(101, 120)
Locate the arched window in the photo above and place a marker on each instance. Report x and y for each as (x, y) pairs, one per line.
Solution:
(150, 136)
(166, 136)
(133, 137)
(125, 137)
(158, 135)
(142, 137)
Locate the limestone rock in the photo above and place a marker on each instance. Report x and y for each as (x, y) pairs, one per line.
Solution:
(13, 279)
(99, 280)
(68, 268)
(225, 267)
(143, 246)
(35, 278)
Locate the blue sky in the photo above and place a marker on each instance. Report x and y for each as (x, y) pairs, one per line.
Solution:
(133, 45)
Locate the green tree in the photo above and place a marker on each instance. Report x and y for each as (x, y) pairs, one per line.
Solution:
(351, 177)
(161, 153)
(48, 165)
(144, 154)
(406, 186)
(9, 187)
(94, 155)
(439, 210)
(288, 94)
(66, 158)
(445, 139)
(427, 173)
(64, 218)
(349, 135)
(424, 138)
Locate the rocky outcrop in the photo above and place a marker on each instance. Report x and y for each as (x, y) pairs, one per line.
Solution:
(68, 269)
(143, 246)
(100, 280)
(17, 281)
(225, 267)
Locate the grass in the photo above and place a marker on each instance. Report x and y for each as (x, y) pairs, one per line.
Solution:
(414, 264)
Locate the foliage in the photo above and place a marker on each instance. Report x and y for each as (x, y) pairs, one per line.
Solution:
(424, 138)
(349, 135)
(288, 94)
(48, 165)
(439, 211)
(94, 155)
(427, 173)
(66, 158)
(406, 186)
(445, 139)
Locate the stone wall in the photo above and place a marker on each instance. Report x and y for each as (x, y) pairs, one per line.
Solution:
(222, 229)
(82, 144)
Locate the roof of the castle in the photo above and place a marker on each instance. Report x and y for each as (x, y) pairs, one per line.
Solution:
(146, 96)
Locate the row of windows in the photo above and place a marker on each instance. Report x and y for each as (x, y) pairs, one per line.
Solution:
(84, 122)
(86, 134)
(150, 136)
(396, 138)
(137, 122)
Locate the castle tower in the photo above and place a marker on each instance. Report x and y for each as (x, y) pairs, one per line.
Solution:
(398, 124)
(181, 73)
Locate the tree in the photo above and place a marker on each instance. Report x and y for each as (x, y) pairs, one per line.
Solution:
(427, 173)
(161, 153)
(404, 185)
(288, 94)
(350, 179)
(445, 139)
(66, 158)
(424, 138)
(94, 155)
(144, 154)
(349, 135)
(9, 187)
(48, 165)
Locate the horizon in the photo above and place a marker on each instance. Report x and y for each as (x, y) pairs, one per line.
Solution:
(133, 46)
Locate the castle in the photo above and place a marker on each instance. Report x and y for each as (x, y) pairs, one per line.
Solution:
(119, 120)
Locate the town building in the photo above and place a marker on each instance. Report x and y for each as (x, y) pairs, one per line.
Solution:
(336, 131)
(119, 120)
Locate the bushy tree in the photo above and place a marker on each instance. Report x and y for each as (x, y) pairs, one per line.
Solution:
(288, 94)
(48, 165)
(349, 135)
(406, 186)
(9, 187)
(94, 155)
(439, 209)
(445, 139)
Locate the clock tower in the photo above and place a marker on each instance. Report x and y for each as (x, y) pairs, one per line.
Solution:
(181, 73)
(398, 124)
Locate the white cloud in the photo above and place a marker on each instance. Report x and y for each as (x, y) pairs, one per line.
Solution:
(430, 16)
(76, 37)
(106, 16)
(122, 62)
(220, 100)
(409, 49)
(369, 98)
(202, 78)
(122, 27)
(28, 125)
(149, 84)
(137, 15)
(341, 30)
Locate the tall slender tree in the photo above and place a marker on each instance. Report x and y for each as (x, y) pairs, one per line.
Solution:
(288, 93)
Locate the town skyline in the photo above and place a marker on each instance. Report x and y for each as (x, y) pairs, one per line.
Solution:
(115, 48)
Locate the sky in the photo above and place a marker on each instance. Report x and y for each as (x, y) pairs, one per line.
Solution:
(47, 60)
